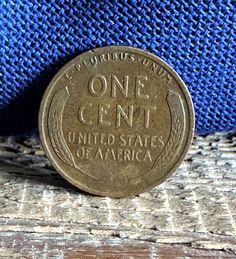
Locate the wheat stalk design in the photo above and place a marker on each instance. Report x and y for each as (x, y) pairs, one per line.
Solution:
(55, 129)
(177, 130)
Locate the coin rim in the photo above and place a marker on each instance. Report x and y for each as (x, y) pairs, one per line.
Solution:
(45, 140)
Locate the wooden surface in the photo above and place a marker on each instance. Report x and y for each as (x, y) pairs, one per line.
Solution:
(192, 214)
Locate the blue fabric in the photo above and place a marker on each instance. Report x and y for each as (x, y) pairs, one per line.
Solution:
(197, 38)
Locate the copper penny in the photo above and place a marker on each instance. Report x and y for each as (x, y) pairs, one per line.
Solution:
(116, 121)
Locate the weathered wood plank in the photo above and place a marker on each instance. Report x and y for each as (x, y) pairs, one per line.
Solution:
(195, 208)
(24, 245)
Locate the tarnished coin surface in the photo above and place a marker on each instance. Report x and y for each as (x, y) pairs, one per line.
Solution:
(116, 121)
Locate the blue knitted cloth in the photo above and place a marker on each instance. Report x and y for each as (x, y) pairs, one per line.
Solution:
(197, 38)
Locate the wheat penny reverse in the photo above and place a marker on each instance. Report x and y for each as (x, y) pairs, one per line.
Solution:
(116, 121)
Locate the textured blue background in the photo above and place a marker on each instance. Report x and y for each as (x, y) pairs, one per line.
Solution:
(197, 38)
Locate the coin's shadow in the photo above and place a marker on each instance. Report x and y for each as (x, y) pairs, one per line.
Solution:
(36, 176)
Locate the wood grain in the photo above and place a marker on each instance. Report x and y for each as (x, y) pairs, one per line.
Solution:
(193, 213)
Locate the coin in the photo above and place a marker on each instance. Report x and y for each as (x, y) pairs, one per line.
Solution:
(116, 121)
